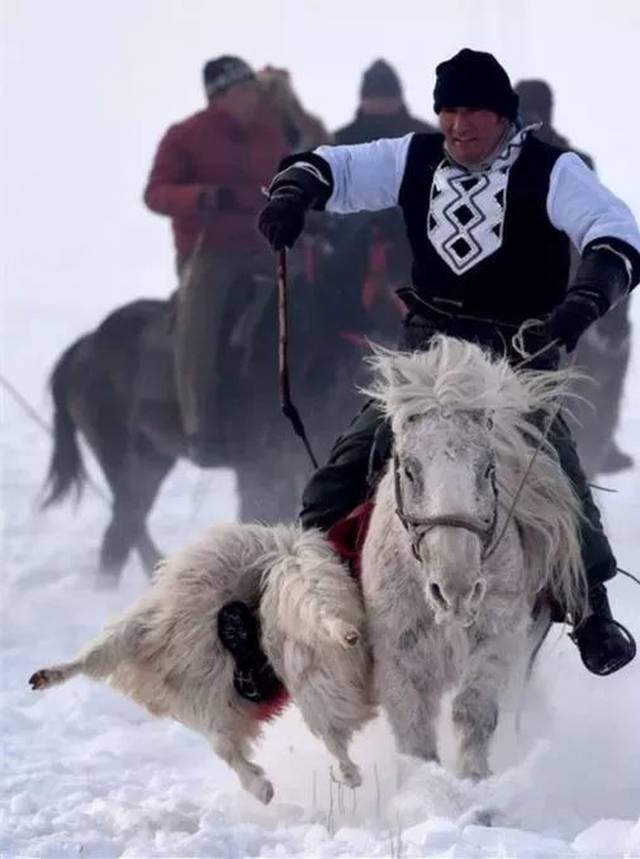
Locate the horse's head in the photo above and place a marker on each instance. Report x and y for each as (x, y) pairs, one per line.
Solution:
(446, 498)
(455, 409)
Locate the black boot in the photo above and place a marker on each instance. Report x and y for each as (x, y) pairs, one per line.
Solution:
(239, 631)
(604, 644)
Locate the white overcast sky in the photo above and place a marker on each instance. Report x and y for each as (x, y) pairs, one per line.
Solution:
(90, 86)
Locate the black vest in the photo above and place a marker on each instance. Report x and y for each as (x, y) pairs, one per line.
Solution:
(527, 275)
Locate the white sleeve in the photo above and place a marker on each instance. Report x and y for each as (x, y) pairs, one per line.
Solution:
(367, 176)
(580, 205)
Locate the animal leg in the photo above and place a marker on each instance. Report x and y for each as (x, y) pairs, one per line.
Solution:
(252, 777)
(135, 476)
(337, 743)
(475, 706)
(97, 661)
(475, 716)
(148, 552)
(335, 702)
(54, 675)
(412, 706)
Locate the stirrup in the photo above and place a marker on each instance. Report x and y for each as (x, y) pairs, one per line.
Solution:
(616, 665)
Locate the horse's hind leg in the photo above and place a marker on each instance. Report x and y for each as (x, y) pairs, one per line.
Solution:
(147, 550)
(135, 474)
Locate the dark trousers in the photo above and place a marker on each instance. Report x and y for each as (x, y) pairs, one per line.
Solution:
(218, 297)
(358, 455)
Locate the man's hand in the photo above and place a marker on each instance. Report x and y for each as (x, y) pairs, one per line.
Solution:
(570, 320)
(281, 221)
(216, 199)
(604, 276)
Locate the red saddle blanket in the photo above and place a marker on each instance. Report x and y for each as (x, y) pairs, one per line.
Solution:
(347, 537)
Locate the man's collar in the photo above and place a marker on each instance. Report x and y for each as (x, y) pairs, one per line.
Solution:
(504, 154)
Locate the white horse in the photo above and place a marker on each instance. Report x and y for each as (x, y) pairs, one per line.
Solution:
(165, 652)
(450, 580)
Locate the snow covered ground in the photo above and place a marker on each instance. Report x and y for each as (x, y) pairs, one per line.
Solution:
(84, 771)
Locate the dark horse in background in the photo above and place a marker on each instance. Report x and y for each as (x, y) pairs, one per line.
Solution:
(116, 387)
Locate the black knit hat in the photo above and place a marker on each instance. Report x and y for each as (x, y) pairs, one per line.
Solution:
(474, 79)
(380, 79)
(225, 72)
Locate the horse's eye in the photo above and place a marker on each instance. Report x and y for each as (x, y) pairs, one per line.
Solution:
(409, 475)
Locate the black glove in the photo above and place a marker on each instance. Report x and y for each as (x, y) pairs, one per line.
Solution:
(570, 320)
(601, 280)
(281, 221)
(302, 183)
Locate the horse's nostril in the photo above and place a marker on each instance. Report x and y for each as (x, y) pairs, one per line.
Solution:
(436, 593)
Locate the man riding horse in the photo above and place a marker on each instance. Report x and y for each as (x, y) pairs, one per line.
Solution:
(490, 213)
(207, 176)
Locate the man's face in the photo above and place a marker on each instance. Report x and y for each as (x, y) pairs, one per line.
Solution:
(471, 134)
(241, 100)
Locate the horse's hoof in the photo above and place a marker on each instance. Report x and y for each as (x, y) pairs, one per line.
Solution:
(479, 816)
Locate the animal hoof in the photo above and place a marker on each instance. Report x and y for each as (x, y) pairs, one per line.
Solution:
(41, 679)
(350, 775)
(476, 774)
(263, 790)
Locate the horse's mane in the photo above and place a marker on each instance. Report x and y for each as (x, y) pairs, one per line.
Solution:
(457, 375)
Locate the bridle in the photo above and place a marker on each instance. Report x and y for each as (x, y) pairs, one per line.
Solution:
(418, 528)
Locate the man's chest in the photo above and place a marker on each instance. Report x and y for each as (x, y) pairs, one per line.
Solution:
(466, 215)
(462, 217)
(237, 158)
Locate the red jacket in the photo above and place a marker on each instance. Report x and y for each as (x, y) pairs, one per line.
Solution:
(212, 148)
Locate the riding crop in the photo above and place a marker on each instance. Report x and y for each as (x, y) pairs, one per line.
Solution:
(288, 408)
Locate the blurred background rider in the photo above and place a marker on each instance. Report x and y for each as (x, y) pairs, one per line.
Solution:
(207, 177)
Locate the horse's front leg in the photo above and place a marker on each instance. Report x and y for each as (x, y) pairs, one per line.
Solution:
(411, 699)
(475, 706)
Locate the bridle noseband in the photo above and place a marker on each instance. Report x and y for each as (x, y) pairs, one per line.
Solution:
(417, 528)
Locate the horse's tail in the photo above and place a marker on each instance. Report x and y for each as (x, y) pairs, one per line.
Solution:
(66, 471)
